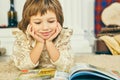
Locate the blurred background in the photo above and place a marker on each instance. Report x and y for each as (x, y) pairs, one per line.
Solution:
(78, 14)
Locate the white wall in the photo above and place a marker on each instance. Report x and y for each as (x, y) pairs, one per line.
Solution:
(78, 16)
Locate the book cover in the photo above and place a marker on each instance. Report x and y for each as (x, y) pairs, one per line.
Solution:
(37, 74)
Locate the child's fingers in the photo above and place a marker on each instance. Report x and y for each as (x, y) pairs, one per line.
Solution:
(30, 30)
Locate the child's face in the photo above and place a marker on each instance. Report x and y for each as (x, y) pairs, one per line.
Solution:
(44, 25)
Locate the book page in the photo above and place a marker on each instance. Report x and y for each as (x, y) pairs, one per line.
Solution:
(90, 68)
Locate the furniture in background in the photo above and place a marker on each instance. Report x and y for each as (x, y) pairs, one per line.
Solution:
(101, 48)
(100, 5)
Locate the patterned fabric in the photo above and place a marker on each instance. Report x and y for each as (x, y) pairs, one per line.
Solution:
(24, 44)
(99, 6)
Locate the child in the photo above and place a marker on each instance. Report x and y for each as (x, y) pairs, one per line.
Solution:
(42, 42)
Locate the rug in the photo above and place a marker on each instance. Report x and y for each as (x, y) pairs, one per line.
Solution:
(9, 72)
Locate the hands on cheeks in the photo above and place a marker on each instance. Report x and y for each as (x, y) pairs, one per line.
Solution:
(57, 31)
(36, 36)
(31, 31)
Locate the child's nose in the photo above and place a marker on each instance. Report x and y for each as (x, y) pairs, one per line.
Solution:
(45, 26)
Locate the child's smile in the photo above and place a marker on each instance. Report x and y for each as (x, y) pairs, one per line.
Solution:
(44, 25)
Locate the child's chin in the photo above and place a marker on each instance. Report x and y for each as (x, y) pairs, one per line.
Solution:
(45, 38)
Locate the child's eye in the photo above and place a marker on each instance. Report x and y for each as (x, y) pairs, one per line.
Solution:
(37, 22)
(51, 21)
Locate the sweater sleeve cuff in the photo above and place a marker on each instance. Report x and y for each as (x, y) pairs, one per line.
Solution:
(32, 64)
(57, 62)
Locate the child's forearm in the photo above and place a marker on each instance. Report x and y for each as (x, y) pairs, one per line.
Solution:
(36, 52)
(52, 50)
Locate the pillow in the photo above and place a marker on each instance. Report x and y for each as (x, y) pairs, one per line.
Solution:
(111, 14)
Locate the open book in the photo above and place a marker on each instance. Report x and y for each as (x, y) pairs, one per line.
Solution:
(86, 71)
(77, 72)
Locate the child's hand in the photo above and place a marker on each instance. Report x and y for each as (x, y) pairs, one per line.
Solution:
(31, 31)
(57, 31)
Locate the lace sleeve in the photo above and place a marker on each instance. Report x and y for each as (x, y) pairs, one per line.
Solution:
(21, 52)
(63, 45)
